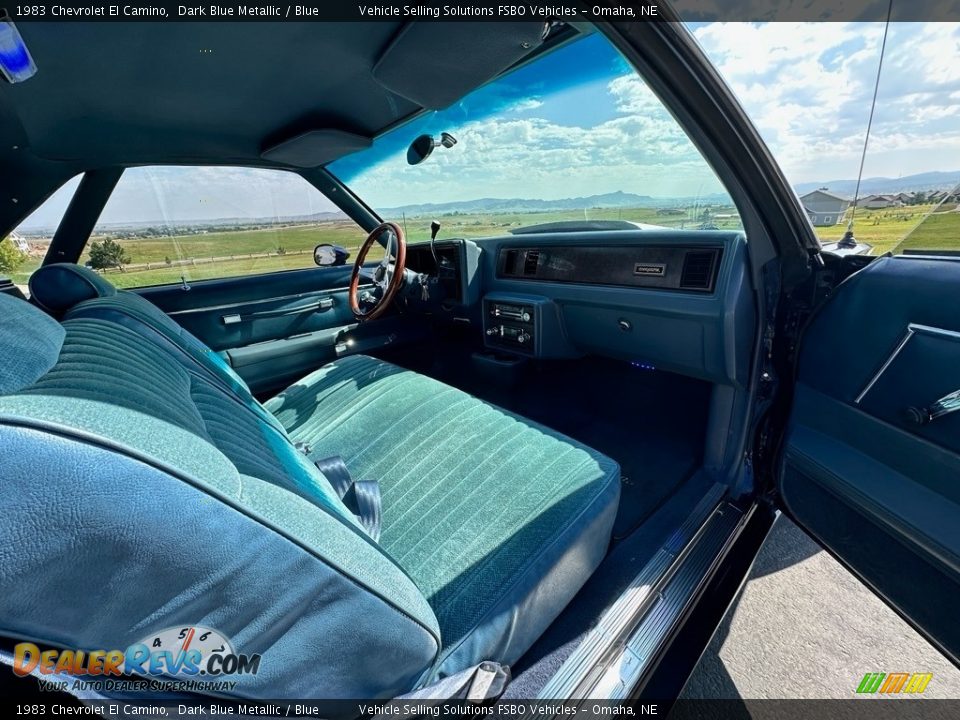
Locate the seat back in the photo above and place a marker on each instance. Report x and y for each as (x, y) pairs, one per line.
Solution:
(70, 291)
(138, 495)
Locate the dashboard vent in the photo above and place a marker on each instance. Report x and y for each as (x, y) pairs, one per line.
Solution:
(510, 262)
(697, 273)
(530, 262)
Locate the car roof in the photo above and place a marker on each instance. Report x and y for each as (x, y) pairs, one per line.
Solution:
(133, 93)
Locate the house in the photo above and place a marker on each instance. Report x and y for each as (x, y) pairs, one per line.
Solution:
(905, 198)
(945, 197)
(824, 207)
(876, 202)
(19, 243)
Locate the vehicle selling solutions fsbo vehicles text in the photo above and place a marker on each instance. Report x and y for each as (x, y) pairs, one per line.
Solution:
(513, 10)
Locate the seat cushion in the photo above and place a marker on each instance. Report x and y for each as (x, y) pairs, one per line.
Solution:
(498, 520)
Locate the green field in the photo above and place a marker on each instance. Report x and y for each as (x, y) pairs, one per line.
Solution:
(886, 229)
(205, 255)
(232, 250)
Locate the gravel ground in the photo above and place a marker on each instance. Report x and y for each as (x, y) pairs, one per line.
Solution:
(804, 627)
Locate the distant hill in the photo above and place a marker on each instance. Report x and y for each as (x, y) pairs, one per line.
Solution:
(617, 199)
(272, 220)
(883, 185)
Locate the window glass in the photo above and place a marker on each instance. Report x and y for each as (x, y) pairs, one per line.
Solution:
(809, 87)
(573, 136)
(24, 250)
(168, 224)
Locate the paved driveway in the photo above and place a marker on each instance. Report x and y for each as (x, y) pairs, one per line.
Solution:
(803, 627)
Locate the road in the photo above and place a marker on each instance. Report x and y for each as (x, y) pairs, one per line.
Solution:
(804, 627)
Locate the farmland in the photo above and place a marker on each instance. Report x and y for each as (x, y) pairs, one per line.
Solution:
(886, 229)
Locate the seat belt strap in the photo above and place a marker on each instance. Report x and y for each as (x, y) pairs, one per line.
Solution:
(335, 470)
(362, 497)
(365, 497)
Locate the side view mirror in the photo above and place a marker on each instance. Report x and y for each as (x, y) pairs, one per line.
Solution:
(327, 255)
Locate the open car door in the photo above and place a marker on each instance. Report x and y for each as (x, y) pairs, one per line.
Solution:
(870, 463)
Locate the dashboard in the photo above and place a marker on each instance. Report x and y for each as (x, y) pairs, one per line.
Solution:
(666, 267)
(675, 300)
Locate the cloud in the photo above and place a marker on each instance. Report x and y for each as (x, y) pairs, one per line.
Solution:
(638, 148)
(522, 106)
(808, 88)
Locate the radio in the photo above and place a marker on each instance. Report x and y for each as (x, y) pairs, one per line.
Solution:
(510, 325)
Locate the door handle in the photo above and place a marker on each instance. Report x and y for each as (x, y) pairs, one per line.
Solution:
(944, 406)
(317, 306)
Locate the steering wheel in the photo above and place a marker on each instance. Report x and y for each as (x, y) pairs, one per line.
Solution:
(387, 277)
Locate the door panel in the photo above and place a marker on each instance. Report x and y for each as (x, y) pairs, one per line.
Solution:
(273, 328)
(858, 471)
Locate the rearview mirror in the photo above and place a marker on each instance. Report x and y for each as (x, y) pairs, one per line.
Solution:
(423, 145)
(327, 255)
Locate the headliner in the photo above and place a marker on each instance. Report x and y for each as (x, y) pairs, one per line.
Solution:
(130, 93)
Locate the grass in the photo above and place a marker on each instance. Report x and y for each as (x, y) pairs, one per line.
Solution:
(229, 253)
(886, 229)
(232, 250)
(938, 232)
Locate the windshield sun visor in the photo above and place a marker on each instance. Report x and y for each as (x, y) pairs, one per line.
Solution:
(436, 64)
(316, 147)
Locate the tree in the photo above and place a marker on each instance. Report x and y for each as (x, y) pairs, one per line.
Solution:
(10, 256)
(107, 253)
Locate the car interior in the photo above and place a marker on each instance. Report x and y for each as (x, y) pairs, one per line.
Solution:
(545, 425)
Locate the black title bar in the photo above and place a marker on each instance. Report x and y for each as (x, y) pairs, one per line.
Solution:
(482, 10)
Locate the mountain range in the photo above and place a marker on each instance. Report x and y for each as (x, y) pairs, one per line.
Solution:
(883, 185)
(617, 199)
(868, 186)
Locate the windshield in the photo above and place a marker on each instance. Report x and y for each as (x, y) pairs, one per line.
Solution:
(573, 136)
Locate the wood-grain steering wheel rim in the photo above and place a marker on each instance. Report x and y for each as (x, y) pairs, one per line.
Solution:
(396, 280)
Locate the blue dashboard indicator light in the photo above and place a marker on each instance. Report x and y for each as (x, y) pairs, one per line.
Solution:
(16, 65)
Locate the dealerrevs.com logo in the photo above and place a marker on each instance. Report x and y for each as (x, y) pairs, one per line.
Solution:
(184, 657)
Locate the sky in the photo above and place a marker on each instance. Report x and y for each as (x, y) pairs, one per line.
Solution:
(580, 122)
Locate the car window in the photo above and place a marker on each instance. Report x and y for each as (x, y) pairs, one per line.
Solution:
(809, 87)
(574, 136)
(172, 224)
(24, 249)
